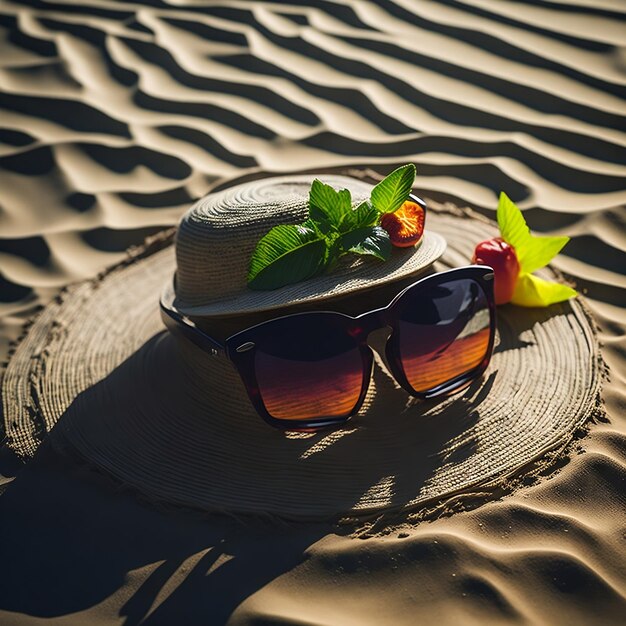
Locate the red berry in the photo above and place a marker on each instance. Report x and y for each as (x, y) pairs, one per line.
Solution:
(406, 225)
(499, 255)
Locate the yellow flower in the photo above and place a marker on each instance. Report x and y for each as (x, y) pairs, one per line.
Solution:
(533, 253)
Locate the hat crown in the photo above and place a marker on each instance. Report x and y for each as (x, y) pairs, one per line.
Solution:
(217, 236)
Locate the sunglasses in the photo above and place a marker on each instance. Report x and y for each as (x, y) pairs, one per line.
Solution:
(308, 371)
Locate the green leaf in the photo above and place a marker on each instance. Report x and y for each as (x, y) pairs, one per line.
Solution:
(319, 222)
(364, 215)
(391, 192)
(537, 252)
(335, 252)
(532, 291)
(373, 240)
(532, 252)
(287, 254)
(512, 224)
(326, 201)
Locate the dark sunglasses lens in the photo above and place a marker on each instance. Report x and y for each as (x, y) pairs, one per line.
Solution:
(443, 333)
(308, 367)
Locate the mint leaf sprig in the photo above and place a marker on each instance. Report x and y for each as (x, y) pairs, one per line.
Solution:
(291, 253)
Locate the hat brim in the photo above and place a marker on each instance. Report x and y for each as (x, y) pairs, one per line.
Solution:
(365, 273)
(178, 427)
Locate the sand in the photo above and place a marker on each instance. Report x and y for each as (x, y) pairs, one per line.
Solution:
(116, 116)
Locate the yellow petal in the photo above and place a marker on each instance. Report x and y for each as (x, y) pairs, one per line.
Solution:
(532, 291)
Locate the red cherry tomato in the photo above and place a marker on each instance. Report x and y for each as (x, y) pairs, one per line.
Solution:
(499, 255)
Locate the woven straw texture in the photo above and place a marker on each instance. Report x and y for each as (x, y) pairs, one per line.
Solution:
(176, 425)
(218, 234)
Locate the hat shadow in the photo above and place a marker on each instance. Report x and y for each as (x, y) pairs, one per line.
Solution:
(71, 541)
(88, 538)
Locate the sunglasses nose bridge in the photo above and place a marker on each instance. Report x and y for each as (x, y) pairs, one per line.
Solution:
(374, 329)
(377, 338)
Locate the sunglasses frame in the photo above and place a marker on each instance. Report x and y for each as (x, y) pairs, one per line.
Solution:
(239, 348)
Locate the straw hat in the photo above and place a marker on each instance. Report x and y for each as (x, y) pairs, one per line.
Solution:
(224, 228)
(175, 425)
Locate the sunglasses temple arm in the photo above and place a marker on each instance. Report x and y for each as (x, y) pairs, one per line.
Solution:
(181, 326)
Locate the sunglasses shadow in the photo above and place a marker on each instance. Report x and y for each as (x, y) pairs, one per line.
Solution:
(425, 436)
(516, 323)
(441, 433)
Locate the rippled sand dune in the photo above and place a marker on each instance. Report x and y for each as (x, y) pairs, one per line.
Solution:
(116, 116)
